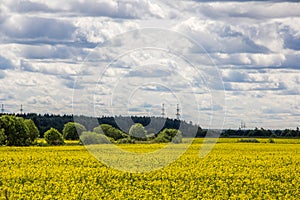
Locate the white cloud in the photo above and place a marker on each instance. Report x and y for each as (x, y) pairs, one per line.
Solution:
(255, 46)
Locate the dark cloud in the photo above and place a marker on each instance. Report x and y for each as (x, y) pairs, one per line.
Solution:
(22, 27)
(29, 6)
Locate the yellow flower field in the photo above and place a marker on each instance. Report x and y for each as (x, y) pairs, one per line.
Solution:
(230, 171)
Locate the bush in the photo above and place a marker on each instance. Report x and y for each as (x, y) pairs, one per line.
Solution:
(53, 137)
(73, 130)
(137, 132)
(93, 138)
(2, 137)
(250, 140)
(33, 130)
(161, 138)
(271, 140)
(126, 141)
(110, 131)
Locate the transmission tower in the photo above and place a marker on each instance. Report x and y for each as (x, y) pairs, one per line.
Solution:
(177, 112)
(21, 109)
(163, 110)
(243, 125)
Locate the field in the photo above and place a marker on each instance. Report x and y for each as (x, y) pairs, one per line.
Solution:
(230, 171)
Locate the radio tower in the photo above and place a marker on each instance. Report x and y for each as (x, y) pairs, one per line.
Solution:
(21, 109)
(163, 110)
(177, 112)
(2, 108)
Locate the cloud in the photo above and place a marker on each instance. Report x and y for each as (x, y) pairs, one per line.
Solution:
(33, 28)
(5, 63)
(235, 76)
(252, 45)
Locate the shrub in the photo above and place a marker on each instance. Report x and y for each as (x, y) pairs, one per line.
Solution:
(138, 132)
(250, 140)
(53, 137)
(126, 141)
(73, 130)
(2, 137)
(271, 140)
(88, 137)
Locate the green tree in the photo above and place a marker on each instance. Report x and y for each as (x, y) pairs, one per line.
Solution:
(72, 130)
(169, 135)
(15, 130)
(110, 131)
(2, 137)
(138, 132)
(53, 137)
(33, 130)
(88, 137)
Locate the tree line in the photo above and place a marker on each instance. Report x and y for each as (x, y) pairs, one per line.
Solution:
(36, 125)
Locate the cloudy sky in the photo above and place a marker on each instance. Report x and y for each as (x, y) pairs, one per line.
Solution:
(231, 60)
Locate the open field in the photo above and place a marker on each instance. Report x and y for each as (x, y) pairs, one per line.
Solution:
(231, 171)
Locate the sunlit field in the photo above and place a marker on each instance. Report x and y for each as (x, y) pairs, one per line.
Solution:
(232, 170)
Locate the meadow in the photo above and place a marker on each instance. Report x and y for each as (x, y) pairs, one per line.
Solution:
(231, 170)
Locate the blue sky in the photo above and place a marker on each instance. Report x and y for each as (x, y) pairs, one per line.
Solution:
(220, 61)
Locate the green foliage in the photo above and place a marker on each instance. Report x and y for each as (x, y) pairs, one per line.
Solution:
(249, 140)
(169, 135)
(2, 137)
(126, 141)
(137, 132)
(271, 140)
(161, 138)
(33, 130)
(72, 130)
(88, 137)
(15, 130)
(53, 137)
(110, 131)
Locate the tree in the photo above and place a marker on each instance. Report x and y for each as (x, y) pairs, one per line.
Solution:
(169, 135)
(33, 130)
(110, 131)
(93, 138)
(15, 130)
(138, 132)
(72, 130)
(2, 137)
(53, 137)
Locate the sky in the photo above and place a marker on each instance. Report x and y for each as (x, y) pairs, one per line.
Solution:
(222, 62)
